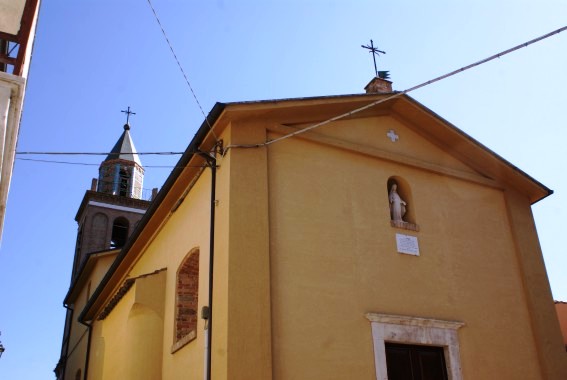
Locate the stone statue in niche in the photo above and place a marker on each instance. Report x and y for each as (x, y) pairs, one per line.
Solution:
(397, 204)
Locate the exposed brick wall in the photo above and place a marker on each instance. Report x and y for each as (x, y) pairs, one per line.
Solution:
(187, 296)
(378, 85)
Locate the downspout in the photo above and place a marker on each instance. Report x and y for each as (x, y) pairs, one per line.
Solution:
(208, 314)
(90, 327)
(70, 321)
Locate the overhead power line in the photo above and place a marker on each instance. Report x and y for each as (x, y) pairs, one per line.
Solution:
(91, 164)
(57, 162)
(398, 94)
(338, 117)
(99, 153)
(181, 68)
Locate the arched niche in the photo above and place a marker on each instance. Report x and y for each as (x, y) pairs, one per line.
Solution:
(144, 340)
(401, 187)
(99, 232)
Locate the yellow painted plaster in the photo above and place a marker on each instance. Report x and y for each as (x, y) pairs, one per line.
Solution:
(333, 259)
(304, 250)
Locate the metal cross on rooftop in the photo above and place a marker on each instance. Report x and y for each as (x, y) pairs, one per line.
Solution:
(374, 52)
(128, 113)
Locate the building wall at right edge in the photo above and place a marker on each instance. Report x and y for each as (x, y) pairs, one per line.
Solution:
(543, 318)
(561, 308)
(333, 259)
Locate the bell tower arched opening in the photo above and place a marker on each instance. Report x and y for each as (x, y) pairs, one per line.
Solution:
(119, 232)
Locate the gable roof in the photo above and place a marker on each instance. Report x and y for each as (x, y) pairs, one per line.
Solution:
(410, 112)
(304, 110)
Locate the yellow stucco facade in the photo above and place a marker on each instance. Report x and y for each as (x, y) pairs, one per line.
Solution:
(307, 265)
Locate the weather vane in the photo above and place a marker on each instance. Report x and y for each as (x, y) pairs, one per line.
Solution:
(375, 52)
(128, 113)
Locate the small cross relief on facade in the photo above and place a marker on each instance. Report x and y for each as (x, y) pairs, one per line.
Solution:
(392, 135)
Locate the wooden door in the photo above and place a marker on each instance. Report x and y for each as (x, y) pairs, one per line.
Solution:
(412, 362)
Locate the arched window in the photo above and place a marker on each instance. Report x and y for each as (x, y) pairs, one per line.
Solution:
(119, 233)
(78, 374)
(124, 182)
(187, 299)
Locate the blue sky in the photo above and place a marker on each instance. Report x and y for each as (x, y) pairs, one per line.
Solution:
(93, 59)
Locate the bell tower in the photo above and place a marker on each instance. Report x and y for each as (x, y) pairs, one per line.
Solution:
(114, 205)
(107, 216)
(121, 173)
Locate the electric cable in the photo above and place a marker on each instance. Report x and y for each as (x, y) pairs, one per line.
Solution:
(397, 94)
(94, 164)
(100, 153)
(181, 68)
(327, 121)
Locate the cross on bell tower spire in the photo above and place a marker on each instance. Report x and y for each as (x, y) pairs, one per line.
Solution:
(128, 113)
(122, 173)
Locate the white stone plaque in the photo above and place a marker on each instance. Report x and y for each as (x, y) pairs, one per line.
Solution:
(407, 244)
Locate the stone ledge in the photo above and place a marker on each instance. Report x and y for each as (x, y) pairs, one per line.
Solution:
(184, 341)
(404, 225)
(414, 321)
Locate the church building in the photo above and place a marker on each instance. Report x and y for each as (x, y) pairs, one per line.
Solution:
(337, 237)
(108, 213)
